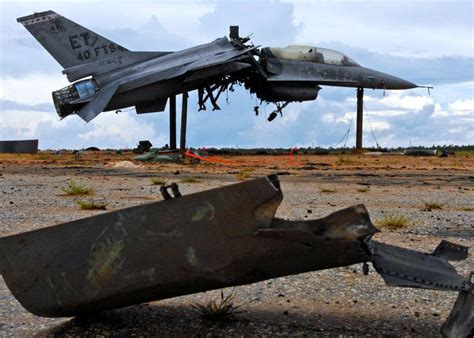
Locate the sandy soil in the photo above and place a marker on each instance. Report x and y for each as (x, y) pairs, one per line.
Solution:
(338, 301)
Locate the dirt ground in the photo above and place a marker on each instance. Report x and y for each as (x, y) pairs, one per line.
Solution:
(340, 301)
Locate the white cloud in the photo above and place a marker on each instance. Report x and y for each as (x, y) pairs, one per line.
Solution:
(462, 107)
(31, 88)
(411, 29)
(25, 123)
(123, 128)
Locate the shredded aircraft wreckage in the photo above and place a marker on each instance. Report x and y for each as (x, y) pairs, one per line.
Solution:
(217, 238)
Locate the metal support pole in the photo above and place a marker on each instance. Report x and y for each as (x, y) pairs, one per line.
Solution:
(173, 122)
(184, 119)
(360, 107)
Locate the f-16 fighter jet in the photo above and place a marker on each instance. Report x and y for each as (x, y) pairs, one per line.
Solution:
(111, 77)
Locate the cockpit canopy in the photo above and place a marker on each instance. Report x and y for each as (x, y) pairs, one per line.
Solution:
(313, 54)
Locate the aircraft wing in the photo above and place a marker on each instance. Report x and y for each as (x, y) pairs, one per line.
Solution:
(109, 64)
(166, 72)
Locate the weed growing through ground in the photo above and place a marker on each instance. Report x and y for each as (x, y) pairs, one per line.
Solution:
(74, 189)
(218, 310)
(393, 222)
(91, 205)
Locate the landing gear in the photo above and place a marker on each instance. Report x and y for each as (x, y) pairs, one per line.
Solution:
(207, 93)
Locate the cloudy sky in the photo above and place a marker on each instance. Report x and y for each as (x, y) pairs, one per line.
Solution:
(426, 42)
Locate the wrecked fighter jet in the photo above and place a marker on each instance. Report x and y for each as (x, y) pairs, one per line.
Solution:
(212, 239)
(112, 78)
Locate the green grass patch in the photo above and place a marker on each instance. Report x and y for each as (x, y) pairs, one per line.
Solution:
(91, 205)
(220, 310)
(74, 189)
(393, 222)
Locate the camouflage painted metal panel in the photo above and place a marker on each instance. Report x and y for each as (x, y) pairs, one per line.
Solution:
(198, 242)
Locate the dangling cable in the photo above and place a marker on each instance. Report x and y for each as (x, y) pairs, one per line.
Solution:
(371, 130)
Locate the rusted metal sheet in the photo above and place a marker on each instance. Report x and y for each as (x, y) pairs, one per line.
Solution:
(217, 238)
(19, 146)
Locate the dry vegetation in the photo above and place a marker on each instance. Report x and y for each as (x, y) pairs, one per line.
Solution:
(244, 174)
(157, 181)
(345, 159)
(223, 309)
(74, 189)
(432, 205)
(393, 222)
(91, 205)
(327, 190)
(190, 180)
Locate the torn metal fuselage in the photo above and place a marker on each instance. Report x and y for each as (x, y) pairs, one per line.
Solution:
(217, 238)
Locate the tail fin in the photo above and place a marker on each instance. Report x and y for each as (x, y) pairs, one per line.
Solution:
(69, 43)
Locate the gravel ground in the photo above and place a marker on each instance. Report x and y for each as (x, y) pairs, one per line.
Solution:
(340, 301)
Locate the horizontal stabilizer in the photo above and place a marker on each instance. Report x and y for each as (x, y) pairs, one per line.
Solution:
(409, 268)
(451, 251)
(98, 103)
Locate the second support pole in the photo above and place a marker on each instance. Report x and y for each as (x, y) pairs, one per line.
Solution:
(173, 122)
(360, 110)
(184, 121)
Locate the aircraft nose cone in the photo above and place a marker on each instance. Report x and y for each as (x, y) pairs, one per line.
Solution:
(393, 82)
